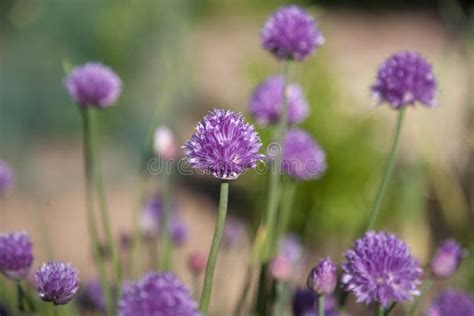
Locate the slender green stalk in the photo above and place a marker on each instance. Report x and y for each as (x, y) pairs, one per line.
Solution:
(54, 309)
(390, 309)
(287, 197)
(275, 172)
(321, 305)
(419, 299)
(387, 173)
(91, 221)
(19, 296)
(216, 241)
(281, 299)
(104, 212)
(380, 311)
(165, 238)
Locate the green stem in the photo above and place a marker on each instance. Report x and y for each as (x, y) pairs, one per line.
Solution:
(280, 304)
(20, 294)
(104, 212)
(387, 173)
(381, 311)
(216, 241)
(275, 172)
(288, 194)
(321, 305)
(91, 221)
(419, 299)
(55, 310)
(165, 238)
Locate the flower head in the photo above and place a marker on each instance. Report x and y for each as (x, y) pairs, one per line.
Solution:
(405, 79)
(164, 143)
(93, 84)
(280, 268)
(6, 177)
(451, 303)
(447, 259)
(290, 33)
(197, 263)
(224, 145)
(57, 282)
(267, 100)
(303, 159)
(157, 294)
(380, 268)
(291, 248)
(16, 255)
(323, 279)
(234, 232)
(92, 296)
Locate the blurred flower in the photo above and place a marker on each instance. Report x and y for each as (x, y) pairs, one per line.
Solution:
(380, 268)
(150, 222)
(291, 248)
(303, 159)
(323, 279)
(16, 255)
(267, 100)
(404, 79)
(92, 296)
(280, 268)
(234, 232)
(93, 84)
(447, 259)
(224, 145)
(290, 33)
(157, 294)
(164, 143)
(451, 303)
(4, 310)
(197, 263)
(6, 177)
(125, 241)
(57, 282)
(305, 304)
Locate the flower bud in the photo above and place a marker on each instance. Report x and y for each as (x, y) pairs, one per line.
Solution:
(197, 263)
(164, 143)
(323, 279)
(446, 259)
(280, 268)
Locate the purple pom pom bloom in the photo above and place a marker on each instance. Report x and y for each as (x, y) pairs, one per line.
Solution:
(16, 255)
(93, 84)
(224, 145)
(451, 303)
(303, 159)
(6, 177)
(380, 268)
(57, 282)
(447, 259)
(157, 294)
(290, 33)
(405, 79)
(267, 100)
(323, 279)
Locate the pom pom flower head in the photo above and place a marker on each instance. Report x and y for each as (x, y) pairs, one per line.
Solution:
(224, 145)
(57, 282)
(6, 177)
(451, 303)
(93, 84)
(303, 159)
(323, 279)
(16, 255)
(157, 294)
(380, 268)
(291, 34)
(404, 79)
(447, 259)
(267, 100)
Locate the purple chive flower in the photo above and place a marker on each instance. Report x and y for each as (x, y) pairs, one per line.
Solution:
(303, 159)
(451, 303)
(224, 145)
(6, 177)
(234, 233)
(57, 282)
(323, 279)
(305, 304)
(380, 268)
(267, 100)
(197, 263)
(92, 296)
(16, 255)
(157, 294)
(405, 79)
(93, 84)
(447, 259)
(290, 33)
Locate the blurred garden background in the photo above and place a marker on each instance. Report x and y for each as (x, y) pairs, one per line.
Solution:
(179, 59)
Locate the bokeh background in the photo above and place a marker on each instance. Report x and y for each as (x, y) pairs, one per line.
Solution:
(179, 59)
